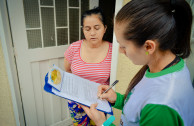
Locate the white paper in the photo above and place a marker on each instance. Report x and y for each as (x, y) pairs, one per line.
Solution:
(82, 91)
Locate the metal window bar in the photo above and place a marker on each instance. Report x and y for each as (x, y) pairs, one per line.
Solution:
(56, 43)
(47, 6)
(61, 27)
(74, 7)
(27, 29)
(40, 23)
(68, 22)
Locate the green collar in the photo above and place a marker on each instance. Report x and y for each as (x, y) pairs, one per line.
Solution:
(171, 69)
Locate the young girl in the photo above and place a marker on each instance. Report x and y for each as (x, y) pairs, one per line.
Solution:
(89, 58)
(156, 34)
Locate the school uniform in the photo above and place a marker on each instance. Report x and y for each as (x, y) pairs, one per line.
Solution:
(165, 98)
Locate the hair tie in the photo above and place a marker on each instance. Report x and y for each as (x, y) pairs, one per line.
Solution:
(173, 4)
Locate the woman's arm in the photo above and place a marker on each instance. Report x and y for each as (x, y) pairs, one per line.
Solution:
(67, 66)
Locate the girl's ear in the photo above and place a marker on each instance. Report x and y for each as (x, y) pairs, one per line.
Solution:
(105, 27)
(150, 46)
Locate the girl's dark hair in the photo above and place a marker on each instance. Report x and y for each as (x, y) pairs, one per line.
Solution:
(96, 10)
(167, 21)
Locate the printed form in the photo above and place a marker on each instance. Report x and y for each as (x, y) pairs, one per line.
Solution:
(81, 91)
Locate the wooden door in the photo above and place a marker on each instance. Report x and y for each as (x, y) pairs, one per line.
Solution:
(41, 31)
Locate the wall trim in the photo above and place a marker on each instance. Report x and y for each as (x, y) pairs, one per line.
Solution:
(115, 48)
(8, 52)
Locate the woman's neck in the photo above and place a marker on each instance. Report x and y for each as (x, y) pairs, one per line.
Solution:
(93, 45)
(160, 61)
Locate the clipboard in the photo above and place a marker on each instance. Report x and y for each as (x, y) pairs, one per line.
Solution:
(61, 89)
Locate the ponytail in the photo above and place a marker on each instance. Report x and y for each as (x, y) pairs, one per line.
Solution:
(136, 79)
(183, 17)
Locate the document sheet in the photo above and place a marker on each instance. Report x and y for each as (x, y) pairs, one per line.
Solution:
(80, 90)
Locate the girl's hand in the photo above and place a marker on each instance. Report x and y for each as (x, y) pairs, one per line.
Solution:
(97, 116)
(110, 96)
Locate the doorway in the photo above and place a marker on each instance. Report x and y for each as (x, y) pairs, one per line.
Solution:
(42, 30)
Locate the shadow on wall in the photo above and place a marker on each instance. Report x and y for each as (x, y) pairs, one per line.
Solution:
(190, 60)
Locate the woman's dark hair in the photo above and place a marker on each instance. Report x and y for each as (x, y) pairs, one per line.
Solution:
(97, 11)
(167, 21)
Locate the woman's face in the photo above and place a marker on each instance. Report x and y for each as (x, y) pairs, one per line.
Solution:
(136, 54)
(93, 28)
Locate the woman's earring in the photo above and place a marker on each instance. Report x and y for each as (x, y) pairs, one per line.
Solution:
(147, 53)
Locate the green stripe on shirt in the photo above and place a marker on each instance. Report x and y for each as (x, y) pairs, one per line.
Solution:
(179, 66)
(159, 115)
(154, 114)
(119, 101)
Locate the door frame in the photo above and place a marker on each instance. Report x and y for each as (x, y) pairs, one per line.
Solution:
(11, 68)
(9, 57)
(115, 48)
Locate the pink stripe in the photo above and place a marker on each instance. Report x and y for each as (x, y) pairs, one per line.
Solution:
(97, 72)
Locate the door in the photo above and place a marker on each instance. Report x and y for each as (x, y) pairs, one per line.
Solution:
(42, 30)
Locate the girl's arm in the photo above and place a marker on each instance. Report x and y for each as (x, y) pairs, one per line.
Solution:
(159, 115)
(67, 66)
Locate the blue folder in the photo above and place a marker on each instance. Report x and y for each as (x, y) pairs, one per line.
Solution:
(48, 88)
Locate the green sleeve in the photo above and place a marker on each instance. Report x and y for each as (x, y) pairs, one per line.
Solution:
(119, 101)
(159, 115)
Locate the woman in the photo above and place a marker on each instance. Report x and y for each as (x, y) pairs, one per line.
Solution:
(156, 34)
(89, 58)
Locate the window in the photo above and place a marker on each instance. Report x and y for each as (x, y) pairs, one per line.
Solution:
(53, 22)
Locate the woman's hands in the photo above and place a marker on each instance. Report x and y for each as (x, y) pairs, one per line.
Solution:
(110, 96)
(97, 116)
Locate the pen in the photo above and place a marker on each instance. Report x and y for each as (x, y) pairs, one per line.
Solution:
(110, 87)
